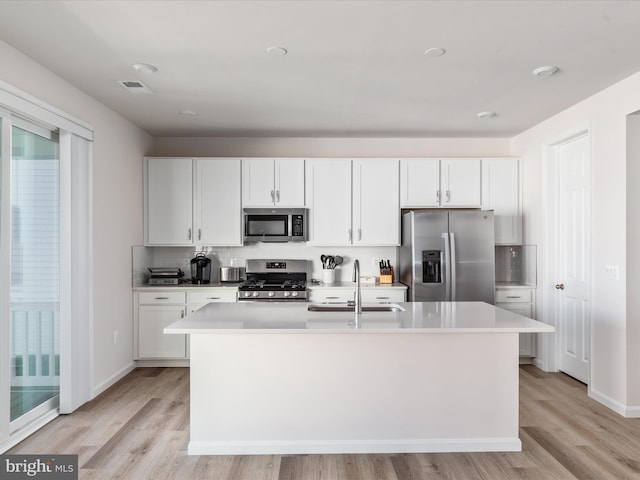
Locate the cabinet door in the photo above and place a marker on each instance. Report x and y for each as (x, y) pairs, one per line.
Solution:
(383, 295)
(501, 193)
(152, 341)
(289, 182)
(460, 182)
(376, 209)
(329, 201)
(419, 182)
(257, 182)
(168, 201)
(218, 202)
(335, 295)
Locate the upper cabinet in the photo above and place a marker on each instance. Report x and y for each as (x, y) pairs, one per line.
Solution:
(192, 202)
(501, 193)
(446, 183)
(353, 202)
(268, 182)
(168, 205)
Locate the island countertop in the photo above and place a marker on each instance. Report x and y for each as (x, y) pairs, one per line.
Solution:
(414, 317)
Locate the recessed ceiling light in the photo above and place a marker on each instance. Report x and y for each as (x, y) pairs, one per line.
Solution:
(545, 71)
(486, 114)
(277, 51)
(434, 52)
(145, 68)
(188, 113)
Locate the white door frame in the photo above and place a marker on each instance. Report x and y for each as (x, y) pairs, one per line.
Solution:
(548, 351)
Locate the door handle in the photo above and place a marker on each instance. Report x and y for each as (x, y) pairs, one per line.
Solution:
(560, 286)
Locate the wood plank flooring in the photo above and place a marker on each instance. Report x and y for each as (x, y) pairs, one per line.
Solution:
(139, 429)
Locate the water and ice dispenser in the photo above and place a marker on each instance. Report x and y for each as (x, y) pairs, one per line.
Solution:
(431, 266)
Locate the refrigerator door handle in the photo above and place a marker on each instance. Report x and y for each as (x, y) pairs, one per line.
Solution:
(452, 247)
(447, 267)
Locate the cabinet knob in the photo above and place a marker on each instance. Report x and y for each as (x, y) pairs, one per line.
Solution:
(560, 286)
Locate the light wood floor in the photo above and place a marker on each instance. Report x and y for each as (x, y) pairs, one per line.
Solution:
(139, 429)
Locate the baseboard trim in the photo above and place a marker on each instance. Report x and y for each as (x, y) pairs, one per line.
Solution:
(163, 363)
(113, 379)
(356, 447)
(626, 411)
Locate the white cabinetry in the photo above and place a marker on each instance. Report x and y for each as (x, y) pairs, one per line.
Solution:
(501, 193)
(521, 300)
(168, 201)
(155, 309)
(353, 202)
(268, 182)
(192, 201)
(446, 182)
(369, 295)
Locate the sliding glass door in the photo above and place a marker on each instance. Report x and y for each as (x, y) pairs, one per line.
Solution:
(35, 272)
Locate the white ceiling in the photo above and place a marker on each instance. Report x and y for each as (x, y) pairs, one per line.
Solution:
(354, 68)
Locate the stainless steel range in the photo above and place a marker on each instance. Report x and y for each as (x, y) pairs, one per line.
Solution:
(274, 280)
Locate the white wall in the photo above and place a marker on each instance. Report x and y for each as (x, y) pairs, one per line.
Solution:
(605, 114)
(117, 211)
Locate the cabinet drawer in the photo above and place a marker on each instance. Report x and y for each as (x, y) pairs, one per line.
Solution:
(161, 297)
(514, 296)
(383, 296)
(331, 296)
(212, 296)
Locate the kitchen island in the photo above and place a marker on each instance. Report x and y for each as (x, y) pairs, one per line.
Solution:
(273, 378)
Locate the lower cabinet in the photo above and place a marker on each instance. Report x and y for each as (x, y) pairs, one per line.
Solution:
(154, 310)
(369, 295)
(521, 301)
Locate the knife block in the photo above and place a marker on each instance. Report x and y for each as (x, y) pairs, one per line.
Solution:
(386, 279)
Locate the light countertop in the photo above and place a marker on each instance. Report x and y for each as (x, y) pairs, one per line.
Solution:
(416, 317)
(352, 285)
(187, 286)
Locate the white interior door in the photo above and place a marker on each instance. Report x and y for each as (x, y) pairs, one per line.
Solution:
(572, 247)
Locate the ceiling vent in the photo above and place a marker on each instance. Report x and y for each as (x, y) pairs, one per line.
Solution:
(135, 87)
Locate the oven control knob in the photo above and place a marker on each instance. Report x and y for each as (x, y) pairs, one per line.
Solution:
(247, 294)
(294, 294)
(255, 294)
(271, 294)
(286, 294)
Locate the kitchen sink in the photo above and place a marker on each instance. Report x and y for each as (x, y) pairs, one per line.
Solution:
(329, 307)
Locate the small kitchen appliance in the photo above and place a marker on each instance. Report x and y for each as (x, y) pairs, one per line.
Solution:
(165, 276)
(200, 269)
(274, 280)
(230, 274)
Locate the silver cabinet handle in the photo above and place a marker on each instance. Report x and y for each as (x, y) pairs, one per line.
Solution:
(382, 298)
(514, 296)
(448, 194)
(273, 198)
(359, 234)
(560, 286)
(350, 235)
(213, 298)
(182, 314)
(199, 234)
(438, 195)
(332, 298)
(277, 196)
(189, 233)
(162, 298)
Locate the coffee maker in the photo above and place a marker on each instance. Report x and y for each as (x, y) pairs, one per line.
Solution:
(200, 269)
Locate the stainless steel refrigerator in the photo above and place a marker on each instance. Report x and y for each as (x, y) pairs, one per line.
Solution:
(448, 255)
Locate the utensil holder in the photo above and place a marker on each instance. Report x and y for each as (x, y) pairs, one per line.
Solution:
(328, 276)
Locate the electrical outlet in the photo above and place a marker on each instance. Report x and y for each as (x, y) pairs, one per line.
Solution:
(375, 262)
(115, 336)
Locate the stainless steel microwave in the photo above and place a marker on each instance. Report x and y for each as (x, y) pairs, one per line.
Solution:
(275, 225)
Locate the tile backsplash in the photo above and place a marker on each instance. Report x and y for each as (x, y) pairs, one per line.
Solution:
(146, 257)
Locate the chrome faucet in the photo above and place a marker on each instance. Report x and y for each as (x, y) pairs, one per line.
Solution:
(358, 297)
